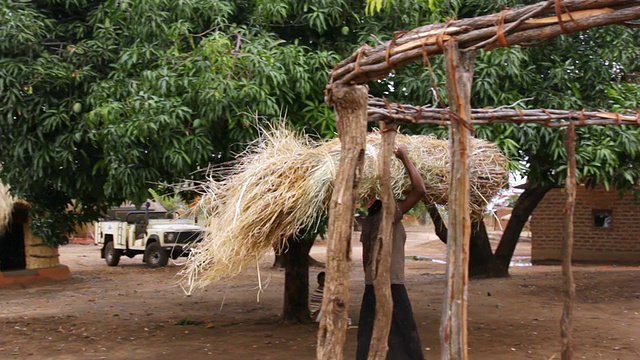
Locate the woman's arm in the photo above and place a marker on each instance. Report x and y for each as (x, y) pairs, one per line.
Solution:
(418, 189)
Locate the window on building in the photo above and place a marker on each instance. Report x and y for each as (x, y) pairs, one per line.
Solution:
(603, 219)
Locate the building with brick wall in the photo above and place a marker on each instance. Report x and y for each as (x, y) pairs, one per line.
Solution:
(606, 227)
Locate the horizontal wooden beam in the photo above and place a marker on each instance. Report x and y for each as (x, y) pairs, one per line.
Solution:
(382, 110)
(522, 25)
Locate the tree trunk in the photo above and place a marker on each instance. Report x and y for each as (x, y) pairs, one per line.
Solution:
(278, 260)
(526, 203)
(482, 263)
(350, 103)
(381, 260)
(296, 283)
(568, 285)
(438, 222)
(453, 326)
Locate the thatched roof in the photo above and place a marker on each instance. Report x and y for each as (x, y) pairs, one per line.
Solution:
(6, 207)
(284, 184)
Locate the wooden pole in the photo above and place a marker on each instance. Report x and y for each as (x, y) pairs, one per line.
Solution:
(453, 328)
(382, 250)
(351, 113)
(569, 290)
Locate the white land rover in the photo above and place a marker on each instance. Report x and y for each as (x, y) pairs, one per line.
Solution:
(154, 234)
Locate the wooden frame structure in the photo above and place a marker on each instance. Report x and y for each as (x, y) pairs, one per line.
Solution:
(457, 40)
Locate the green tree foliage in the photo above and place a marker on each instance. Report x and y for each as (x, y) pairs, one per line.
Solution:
(101, 98)
(594, 70)
(598, 69)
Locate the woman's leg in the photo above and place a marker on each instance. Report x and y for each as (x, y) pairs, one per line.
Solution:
(365, 322)
(404, 341)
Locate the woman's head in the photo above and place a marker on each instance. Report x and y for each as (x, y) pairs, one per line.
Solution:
(375, 207)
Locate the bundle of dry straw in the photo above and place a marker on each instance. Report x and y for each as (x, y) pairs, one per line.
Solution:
(6, 207)
(284, 184)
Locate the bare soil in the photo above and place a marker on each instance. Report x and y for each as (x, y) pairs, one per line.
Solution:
(132, 312)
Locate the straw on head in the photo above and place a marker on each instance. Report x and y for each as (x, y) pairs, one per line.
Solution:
(284, 183)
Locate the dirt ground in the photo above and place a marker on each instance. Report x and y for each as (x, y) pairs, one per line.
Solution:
(132, 312)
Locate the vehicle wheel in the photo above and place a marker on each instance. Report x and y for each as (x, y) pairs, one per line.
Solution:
(111, 255)
(155, 256)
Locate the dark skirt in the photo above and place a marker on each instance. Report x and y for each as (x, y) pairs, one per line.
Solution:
(404, 342)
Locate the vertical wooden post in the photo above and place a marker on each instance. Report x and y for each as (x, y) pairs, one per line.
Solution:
(568, 286)
(351, 112)
(453, 328)
(382, 251)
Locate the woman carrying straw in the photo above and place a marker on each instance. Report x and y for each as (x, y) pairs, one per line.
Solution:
(404, 342)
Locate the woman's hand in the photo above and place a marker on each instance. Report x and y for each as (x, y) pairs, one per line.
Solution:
(400, 151)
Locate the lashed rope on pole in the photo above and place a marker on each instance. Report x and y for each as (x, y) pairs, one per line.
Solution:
(522, 25)
(381, 109)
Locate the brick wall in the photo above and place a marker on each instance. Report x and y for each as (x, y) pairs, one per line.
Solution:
(619, 242)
